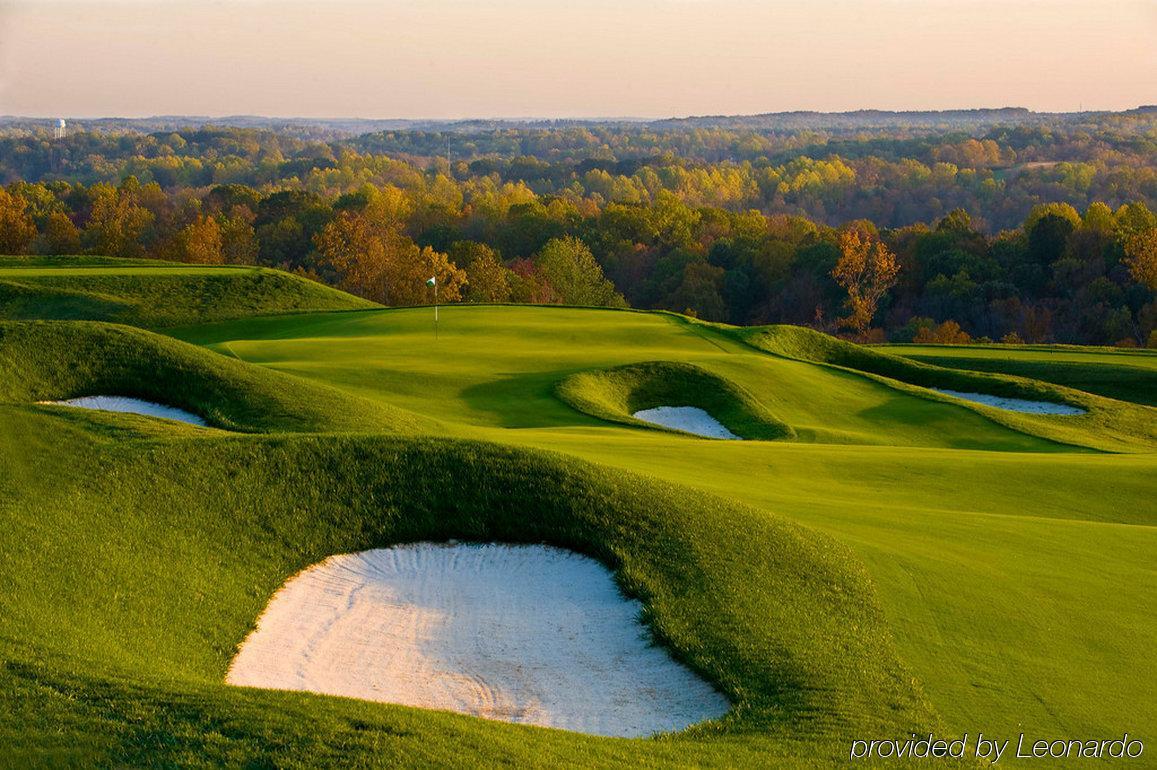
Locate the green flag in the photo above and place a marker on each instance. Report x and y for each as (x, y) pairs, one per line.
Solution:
(430, 281)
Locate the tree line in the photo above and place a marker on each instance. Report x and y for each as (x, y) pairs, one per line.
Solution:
(1062, 276)
(1032, 230)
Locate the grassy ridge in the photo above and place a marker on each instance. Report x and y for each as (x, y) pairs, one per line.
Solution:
(616, 394)
(157, 295)
(785, 622)
(1108, 425)
(1127, 375)
(55, 360)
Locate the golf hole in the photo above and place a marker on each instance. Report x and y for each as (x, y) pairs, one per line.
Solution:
(530, 634)
(689, 419)
(1014, 404)
(131, 406)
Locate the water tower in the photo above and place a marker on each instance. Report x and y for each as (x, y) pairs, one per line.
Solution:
(60, 129)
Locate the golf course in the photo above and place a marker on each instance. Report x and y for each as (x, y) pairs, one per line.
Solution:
(873, 553)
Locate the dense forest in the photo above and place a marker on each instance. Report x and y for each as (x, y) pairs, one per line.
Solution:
(1004, 225)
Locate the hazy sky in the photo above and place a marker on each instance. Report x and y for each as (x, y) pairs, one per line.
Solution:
(569, 58)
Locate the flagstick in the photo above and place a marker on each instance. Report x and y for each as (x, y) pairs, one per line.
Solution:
(435, 310)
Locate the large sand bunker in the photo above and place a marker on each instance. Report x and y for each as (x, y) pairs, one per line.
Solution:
(529, 634)
(1014, 404)
(689, 419)
(132, 406)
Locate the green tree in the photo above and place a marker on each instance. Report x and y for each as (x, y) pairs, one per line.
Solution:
(571, 269)
(488, 280)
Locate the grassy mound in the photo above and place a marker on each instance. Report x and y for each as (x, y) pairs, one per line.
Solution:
(1126, 375)
(155, 294)
(783, 620)
(1108, 424)
(54, 360)
(616, 394)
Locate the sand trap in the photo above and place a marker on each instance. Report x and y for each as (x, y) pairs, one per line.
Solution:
(1014, 404)
(690, 419)
(133, 406)
(529, 634)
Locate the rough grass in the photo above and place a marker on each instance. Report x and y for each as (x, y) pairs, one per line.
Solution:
(156, 294)
(616, 394)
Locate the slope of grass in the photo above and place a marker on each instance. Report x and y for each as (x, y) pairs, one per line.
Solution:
(1127, 375)
(1108, 424)
(56, 360)
(904, 563)
(173, 547)
(617, 393)
(156, 294)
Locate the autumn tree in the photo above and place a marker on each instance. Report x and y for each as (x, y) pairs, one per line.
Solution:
(947, 333)
(866, 270)
(58, 235)
(201, 242)
(383, 265)
(410, 266)
(1141, 257)
(352, 255)
(528, 285)
(16, 227)
(117, 223)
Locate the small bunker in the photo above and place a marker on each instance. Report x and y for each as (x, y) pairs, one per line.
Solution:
(1013, 404)
(131, 406)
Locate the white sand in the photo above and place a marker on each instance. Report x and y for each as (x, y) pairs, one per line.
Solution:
(690, 419)
(1014, 404)
(529, 634)
(131, 405)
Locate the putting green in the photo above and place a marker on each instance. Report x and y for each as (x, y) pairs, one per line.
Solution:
(897, 562)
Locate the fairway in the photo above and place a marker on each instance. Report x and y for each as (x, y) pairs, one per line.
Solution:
(875, 558)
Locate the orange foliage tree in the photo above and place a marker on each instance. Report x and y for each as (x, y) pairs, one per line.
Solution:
(1141, 257)
(866, 270)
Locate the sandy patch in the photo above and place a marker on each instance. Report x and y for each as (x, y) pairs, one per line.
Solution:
(529, 634)
(1014, 404)
(133, 406)
(690, 419)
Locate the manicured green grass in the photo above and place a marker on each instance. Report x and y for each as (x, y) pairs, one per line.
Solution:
(618, 393)
(897, 561)
(962, 541)
(1109, 425)
(155, 294)
(1128, 375)
(56, 360)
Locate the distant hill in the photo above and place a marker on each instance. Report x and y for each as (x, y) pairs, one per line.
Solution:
(337, 128)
